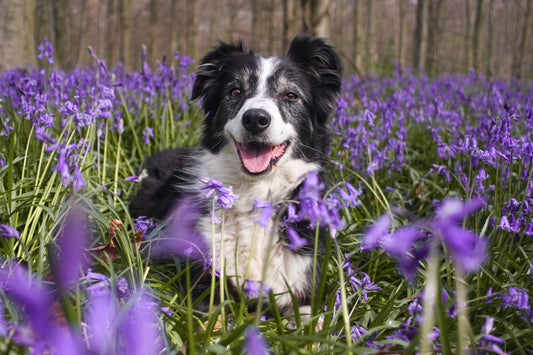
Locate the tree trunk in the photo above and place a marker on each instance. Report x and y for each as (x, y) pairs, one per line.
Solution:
(476, 36)
(152, 41)
(173, 33)
(192, 29)
(125, 53)
(292, 21)
(402, 4)
(467, 37)
(518, 59)
(368, 36)
(490, 40)
(433, 33)
(257, 24)
(214, 13)
(319, 18)
(273, 29)
(338, 35)
(61, 43)
(420, 40)
(41, 26)
(110, 30)
(16, 34)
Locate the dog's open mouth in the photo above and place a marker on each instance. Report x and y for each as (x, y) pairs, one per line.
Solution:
(258, 158)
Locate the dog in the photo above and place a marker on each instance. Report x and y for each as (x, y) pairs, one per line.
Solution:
(265, 129)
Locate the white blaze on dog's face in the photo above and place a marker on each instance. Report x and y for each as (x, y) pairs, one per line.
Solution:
(261, 134)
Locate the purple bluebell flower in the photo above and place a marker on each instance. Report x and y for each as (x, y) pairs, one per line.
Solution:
(70, 258)
(347, 196)
(489, 340)
(267, 210)
(148, 133)
(224, 196)
(42, 332)
(123, 288)
(144, 224)
(468, 250)
(4, 132)
(401, 245)
(40, 134)
(46, 51)
(63, 165)
(363, 284)
(313, 208)
(252, 289)
(79, 181)
(208, 265)
(141, 327)
(295, 241)
(6, 231)
(357, 333)
(377, 232)
(102, 318)
(180, 237)
(102, 286)
(254, 343)
(516, 298)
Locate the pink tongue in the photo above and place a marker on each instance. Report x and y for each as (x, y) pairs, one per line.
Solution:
(256, 159)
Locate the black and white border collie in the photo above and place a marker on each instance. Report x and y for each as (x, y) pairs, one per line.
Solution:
(265, 129)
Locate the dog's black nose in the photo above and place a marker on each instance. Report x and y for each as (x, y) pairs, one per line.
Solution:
(255, 120)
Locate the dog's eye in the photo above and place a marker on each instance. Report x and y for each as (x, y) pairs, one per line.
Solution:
(290, 96)
(235, 92)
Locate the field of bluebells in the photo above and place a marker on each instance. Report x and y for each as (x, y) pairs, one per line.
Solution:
(429, 207)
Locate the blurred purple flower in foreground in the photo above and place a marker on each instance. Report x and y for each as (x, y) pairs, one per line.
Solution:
(267, 210)
(6, 231)
(255, 344)
(69, 258)
(130, 329)
(113, 326)
(409, 244)
(467, 249)
(42, 331)
(295, 241)
(180, 237)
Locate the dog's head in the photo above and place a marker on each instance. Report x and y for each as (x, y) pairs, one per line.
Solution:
(269, 109)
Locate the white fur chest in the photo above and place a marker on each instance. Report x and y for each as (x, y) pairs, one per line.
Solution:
(244, 244)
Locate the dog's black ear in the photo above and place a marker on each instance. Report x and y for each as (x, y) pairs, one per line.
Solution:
(323, 66)
(211, 64)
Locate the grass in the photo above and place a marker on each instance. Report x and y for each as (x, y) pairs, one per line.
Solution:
(106, 150)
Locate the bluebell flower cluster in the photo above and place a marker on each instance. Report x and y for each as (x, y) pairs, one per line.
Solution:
(316, 209)
(478, 133)
(59, 104)
(223, 196)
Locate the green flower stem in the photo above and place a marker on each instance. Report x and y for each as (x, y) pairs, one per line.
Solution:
(430, 295)
(463, 324)
(345, 313)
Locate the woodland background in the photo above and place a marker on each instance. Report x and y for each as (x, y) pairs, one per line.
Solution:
(434, 36)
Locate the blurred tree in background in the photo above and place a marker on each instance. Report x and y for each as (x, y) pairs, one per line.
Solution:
(433, 36)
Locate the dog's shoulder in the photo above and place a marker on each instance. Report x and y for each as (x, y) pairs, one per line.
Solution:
(167, 175)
